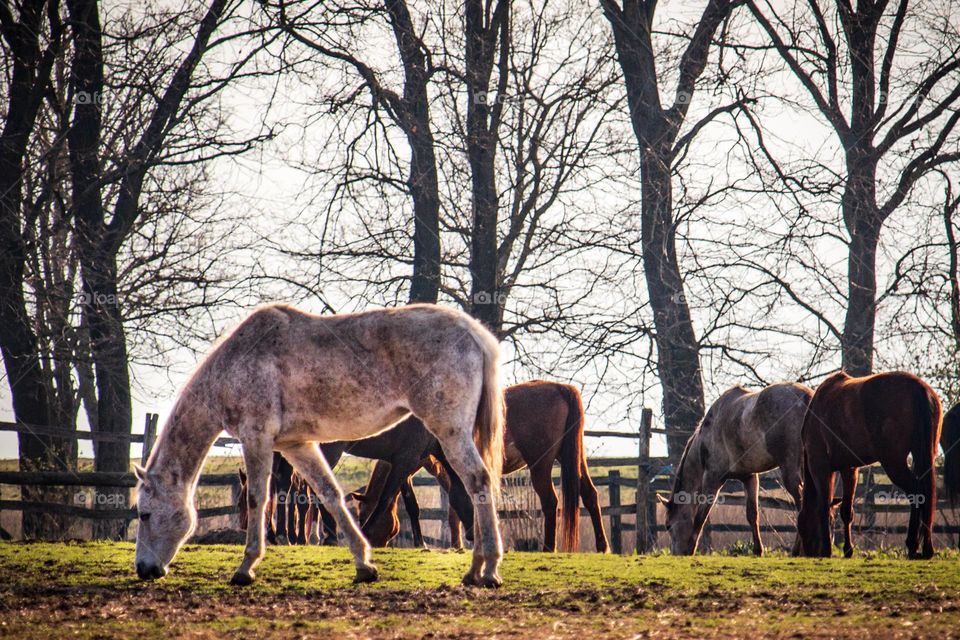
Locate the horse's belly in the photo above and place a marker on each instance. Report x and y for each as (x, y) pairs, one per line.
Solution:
(754, 459)
(339, 426)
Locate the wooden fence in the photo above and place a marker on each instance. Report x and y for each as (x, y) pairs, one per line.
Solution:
(652, 475)
(102, 478)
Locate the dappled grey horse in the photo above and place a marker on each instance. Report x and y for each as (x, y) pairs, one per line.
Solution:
(285, 380)
(743, 434)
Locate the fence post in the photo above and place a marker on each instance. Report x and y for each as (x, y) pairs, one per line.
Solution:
(646, 521)
(616, 528)
(149, 436)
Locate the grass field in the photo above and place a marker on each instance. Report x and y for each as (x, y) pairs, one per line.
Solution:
(88, 590)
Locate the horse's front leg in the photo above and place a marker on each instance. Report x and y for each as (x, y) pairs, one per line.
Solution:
(258, 462)
(310, 463)
(412, 506)
(751, 486)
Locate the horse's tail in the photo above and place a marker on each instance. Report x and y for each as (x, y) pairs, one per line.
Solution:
(929, 416)
(491, 418)
(950, 441)
(571, 462)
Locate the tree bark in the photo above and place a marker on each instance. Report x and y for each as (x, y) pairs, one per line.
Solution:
(97, 261)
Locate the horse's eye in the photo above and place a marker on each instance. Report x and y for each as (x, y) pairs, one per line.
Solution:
(144, 517)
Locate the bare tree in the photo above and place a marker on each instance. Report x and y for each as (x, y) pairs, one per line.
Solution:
(327, 29)
(32, 38)
(658, 133)
(895, 120)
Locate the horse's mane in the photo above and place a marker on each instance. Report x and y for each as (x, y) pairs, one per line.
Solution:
(693, 440)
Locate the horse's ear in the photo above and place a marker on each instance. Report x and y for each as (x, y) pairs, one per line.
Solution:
(140, 472)
(243, 476)
(664, 501)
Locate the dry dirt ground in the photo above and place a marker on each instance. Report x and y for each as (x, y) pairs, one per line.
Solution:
(88, 590)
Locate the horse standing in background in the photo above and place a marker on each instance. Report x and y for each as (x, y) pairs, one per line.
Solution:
(854, 422)
(291, 507)
(285, 380)
(743, 434)
(545, 423)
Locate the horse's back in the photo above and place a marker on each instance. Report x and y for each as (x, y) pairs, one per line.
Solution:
(853, 419)
(349, 376)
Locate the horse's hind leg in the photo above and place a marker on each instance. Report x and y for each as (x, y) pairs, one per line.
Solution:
(461, 452)
(901, 475)
(591, 502)
(311, 464)
(256, 458)
(541, 477)
(849, 478)
(751, 486)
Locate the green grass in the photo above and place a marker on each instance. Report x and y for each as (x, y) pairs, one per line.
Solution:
(89, 590)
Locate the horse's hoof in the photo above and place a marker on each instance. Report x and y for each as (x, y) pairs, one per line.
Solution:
(425, 548)
(848, 553)
(365, 574)
(242, 579)
(490, 582)
(282, 539)
(314, 539)
(470, 580)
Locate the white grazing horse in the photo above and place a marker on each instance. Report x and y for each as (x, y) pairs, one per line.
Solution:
(285, 380)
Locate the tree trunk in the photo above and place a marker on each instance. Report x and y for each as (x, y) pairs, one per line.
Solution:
(422, 181)
(425, 285)
(485, 35)
(98, 262)
(19, 346)
(678, 353)
(656, 129)
(114, 410)
(863, 221)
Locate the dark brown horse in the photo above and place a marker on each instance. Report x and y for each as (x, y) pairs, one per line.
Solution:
(854, 422)
(544, 424)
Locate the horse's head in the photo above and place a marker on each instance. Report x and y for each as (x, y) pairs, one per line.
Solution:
(167, 518)
(687, 502)
(386, 528)
(681, 514)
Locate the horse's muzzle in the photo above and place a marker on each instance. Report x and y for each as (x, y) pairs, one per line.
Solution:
(150, 572)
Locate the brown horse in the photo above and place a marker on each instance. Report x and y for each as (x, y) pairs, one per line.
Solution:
(544, 424)
(384, 529)
(854, 422)
(291, 508)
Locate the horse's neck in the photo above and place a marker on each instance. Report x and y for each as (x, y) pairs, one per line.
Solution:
(691, 472)
(182, 448)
